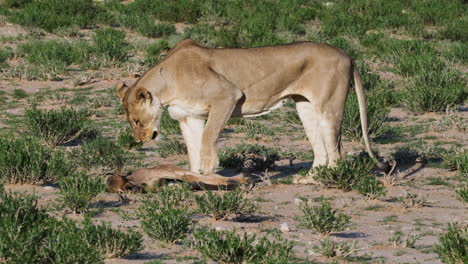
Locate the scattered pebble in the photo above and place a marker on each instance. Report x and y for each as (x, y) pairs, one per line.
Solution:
(284, 227)
(297, 201)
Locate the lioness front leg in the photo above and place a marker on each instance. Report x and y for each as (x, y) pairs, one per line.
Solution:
(217, 118)
(192, 130)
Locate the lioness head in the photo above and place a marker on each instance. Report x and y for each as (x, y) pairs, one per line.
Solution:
(143, 111)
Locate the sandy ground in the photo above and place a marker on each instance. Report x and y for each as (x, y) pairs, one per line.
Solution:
(278, 203)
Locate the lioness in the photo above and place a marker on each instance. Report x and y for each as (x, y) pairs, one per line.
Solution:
(201, 84)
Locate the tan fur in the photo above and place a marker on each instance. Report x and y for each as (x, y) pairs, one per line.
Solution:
(154, 177)
(198, 83)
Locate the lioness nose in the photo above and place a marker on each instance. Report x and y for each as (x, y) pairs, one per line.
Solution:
(155, 134)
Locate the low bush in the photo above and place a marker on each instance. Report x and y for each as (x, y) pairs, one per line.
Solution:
(331, 249)
(153, 54)
(55, 14)
(228, 247)
(353, 173)
(24, 160)
(14, 3)
(462, 193)
(100, 152)
(453, 247)
(54, 55)
(78, 190)
(435, 92)
(109, 242)
(156, 30)
(19, 94)
(398, 239)
(29, 235)
(126, 141)
(252, 129)
(57, 127)
(219, 207)
(165, 216)
(110, 44)
(5, 54)
(457, 160)
(249, 156)
(323, 218)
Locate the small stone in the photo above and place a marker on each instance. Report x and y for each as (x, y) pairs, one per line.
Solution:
(297, 201)
(218, 228)
(284, 227)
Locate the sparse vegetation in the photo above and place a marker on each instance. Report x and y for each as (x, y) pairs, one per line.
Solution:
(57, 127)
(412, 56)
(29, 235)
(24, 160)
(353, 173)
(228, 247)
(221, 206)
(110, 44)
(171, 146)
(77, 191)
(165, 216)
(453, 247)
(323, 218)
(332, 249)
(100, 152)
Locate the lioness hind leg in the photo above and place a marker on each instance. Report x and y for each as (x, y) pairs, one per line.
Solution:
(312, 122)
(192, 130)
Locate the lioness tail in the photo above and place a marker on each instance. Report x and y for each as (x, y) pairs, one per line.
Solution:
(384, 166)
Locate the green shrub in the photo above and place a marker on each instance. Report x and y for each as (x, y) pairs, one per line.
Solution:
(453, 247)
(78, 190)
(331, 249)
(354, 173)
(110, 44)
(249, 156)
(252, 129)
(165, 217)
(172, 11)
(54, 55)
(435, 91)
(462, 193)
(24, 160)
(156, 30)
(219, 207)
(100, 152)
(57, 127)
(54, 14)
(455, 31)
(19, 94)
(14, 3)
(228, 247)
(112, 243)
(323, 218)
(171, 146)
(29, 235)
(457, 160)
(153, 55)
(5, 54)
(126, 140)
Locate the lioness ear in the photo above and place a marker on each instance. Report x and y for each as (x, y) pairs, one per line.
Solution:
(121, 90)
(143, 94)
